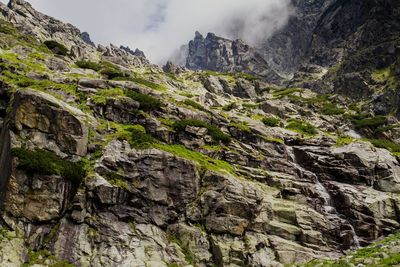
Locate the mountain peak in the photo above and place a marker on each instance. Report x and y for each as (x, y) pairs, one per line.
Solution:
(198, 35)
(224, 55)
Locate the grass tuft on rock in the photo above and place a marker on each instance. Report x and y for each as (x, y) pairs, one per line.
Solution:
(363, 121)
(378, 254)
(280, 93)
(204, 161)
(147, 83)
(271, 121)
(195, 105)
(138, 138)
(331, 109)
(215, 133)
(6, 27)
(102, 96)
(83, 64)
(48, 163)
(386, 144)
(147, 102)
(241, 126)
(56, 47)
(45, 257)
(302, 127)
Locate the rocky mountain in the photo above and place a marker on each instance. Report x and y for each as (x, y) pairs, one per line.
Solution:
(346, 47)
(219, 54)
(288, 49)
(109, 160)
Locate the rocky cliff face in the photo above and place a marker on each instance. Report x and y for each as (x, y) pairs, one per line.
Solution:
(345, 47)
(218, 54)
(289, 48)
(107, 160)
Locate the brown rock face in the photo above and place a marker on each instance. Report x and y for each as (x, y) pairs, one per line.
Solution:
(49, 123)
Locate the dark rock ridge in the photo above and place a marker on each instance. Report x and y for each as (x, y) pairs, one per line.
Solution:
(289, 48)
(137, 52)
(219, 54)
(86, 38)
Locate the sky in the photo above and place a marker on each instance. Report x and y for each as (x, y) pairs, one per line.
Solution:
(161, 27)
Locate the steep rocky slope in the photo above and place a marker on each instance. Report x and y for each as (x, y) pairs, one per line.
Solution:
(107, 160)
(383, 253)
(346, 47)
(288, 49)
(218, 54)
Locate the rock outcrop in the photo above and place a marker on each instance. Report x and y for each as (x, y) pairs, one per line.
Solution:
(223, 55)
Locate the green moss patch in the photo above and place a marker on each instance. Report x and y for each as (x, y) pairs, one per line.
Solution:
(280, 93)
(302, 127)
(138, 138)
(241, 126)
(386, 144)
(41, 85)
(45, 257)
(204, 161)
(214, 132)
(364, 121)
(83, 64)
(102, 96)
(147, 83)
(147, 102)
(48, 163)
(378, 254)
(271, 121)
(331, 109)
(195, 105)
(56, 47)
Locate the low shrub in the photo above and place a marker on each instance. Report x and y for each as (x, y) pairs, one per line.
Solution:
(147, 83)
(204, 161)
(114, 74)
(271, 121)
(48, 163)
(280, 93)
(89, 65)
(147, 103)
(214, 132)
(135, 135)
(6, 27)
(344, 140)
(242, 126)
(331, 109)
(387, 144)
(138, 137)
(229, 107)
(368, 122)
(302, 127)
(56, 47)
(102, 95)
(195, 105)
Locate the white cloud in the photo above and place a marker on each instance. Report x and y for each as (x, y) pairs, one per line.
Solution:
(159, 27)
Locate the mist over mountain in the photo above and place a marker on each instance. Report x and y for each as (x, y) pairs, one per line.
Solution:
(159, 27)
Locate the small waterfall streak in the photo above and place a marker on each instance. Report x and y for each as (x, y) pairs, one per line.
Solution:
(323, 192)
(355, 237)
